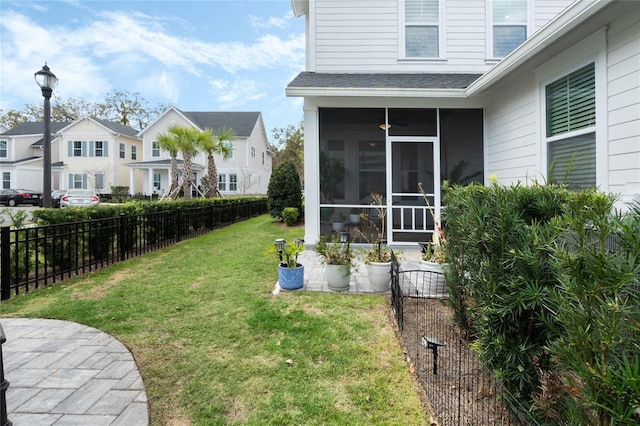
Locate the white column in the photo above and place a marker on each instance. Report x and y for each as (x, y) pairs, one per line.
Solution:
(132, 181)
(311, 175)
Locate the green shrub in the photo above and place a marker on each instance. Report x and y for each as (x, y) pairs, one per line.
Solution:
(290, 215)
(285, 189)
(596, 315)
(531, 279)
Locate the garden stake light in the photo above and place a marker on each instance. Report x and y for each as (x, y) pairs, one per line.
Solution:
(433, 344)
(279, 243)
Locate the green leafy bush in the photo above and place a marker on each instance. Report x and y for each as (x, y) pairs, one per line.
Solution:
(555, 313)
(285, 189)
(290, 215)
(596, 316)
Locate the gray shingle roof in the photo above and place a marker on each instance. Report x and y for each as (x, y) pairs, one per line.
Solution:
(310, 80)
(242, 123)
(37, 127)
(34, 128)
(117, 127)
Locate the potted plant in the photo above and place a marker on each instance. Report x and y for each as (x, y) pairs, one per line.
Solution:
(337, 257)
(378, 257)
(338, 223)
(290, 272)
(354, 216)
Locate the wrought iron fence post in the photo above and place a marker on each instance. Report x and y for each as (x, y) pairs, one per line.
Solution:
(5, 263)
(4, 385)
(122, 235)
(179, 223)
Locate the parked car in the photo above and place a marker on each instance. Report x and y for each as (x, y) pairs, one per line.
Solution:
(79, 198)
(13, 197)
(56, 195)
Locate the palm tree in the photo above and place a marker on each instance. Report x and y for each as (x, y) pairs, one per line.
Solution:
(215, 144)
(188, 143)
(169, 142)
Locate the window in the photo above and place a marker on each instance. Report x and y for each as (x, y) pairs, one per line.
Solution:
(421, 29)
(98, 148)
(6, 180)
(77, 181)
(509, 25)
(570, 106)
(134, 152)
(3, 149)
(77, 149)
(253, 152)
(233, 183)
(231, 147)
(99, 181)
(222, 183)
(122, 151)
(156, 181)
(155, 149)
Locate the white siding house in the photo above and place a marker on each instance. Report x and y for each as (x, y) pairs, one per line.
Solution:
(84, 154)
(246, 171)
(408, 91)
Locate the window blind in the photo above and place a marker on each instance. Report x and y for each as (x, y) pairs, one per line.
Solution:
(571, 102)
(421, 12)
(572, 161)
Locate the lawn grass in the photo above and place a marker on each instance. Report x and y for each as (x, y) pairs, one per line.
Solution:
(214, 346)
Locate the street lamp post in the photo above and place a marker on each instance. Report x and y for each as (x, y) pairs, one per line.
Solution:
(47, 82)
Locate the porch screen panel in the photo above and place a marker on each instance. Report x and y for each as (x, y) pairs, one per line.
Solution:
(351, 163)
(412, 122)
(461, 146)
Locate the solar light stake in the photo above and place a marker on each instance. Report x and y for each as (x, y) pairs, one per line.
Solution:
(433, 344)
(279, 243)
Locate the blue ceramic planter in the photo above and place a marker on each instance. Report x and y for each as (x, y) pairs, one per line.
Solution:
(291, 278)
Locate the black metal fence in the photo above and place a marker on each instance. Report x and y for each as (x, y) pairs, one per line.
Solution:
(40, 256)
(459, 390)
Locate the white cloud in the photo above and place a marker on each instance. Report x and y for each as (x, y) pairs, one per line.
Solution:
(260, 22)
(234, 94)
(162, 84)
(133, 51)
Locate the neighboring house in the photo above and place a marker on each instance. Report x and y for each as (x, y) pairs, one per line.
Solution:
(245, 171)
(85, 153)
(409, 91)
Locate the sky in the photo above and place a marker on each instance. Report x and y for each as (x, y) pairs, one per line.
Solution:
(207, 55)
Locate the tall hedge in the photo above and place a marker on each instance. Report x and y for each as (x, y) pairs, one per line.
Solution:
(555, 315)
(285, 189)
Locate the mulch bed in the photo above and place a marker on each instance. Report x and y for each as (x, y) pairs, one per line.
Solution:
(459, 393)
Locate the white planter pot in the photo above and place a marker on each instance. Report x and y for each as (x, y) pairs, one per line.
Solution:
(337, 226)
(354, 218)
(433, 285)
(379, 276)
(338, 277)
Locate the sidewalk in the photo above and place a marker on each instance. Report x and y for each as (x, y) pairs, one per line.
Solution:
(64, 373)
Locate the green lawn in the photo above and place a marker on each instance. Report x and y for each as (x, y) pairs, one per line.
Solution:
(214, 346)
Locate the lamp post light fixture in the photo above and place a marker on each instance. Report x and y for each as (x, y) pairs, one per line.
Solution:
(47, 82)
(344, 237)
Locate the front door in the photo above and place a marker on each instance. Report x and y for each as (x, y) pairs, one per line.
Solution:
(413, 161)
